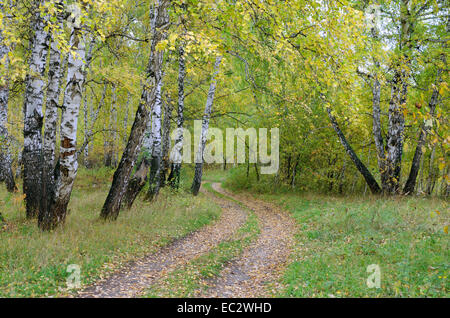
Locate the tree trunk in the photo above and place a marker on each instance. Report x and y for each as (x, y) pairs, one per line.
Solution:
(113, 128)
(86, 147)
(177, 152)
(111, 207)
(137, 182)
(376, 129)
(395, 136)
(294, 171)
(154, 183)
(67, 166)
(341, 177)
(431, 172)
(205, 125)
(166, 140)
(445, 186)
(6, 173)
(55, 75)
(32, 131)
(107, 153)
(288, 174)
(368, 177)
(87, 108)
(257, 172)
(424, 129)
(125, 118)
(397, 102)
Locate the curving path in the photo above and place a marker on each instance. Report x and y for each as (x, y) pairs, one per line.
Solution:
(255, 273)
(134, 278)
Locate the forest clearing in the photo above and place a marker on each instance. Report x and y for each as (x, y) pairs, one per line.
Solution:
(220, 149)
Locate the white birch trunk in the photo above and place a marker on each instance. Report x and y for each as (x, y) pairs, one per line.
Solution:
(113, 128)
(113, 202)
(155, 182)
(6, 173)
(166, 139)
(33, 118)
(87, 108)
(55, 75)
(205, 125)
(177, 151)
(125, 119)
(68, 165)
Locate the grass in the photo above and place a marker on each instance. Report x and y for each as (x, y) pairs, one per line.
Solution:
(33, 263)
(192, 277)
(340, 237)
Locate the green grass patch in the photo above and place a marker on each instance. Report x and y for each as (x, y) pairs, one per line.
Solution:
(33, 263)
(340, 237)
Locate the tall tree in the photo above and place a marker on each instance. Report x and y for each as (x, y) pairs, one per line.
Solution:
(6, 173)
(410, 184)
(55, 75)
(154, 182)
(205, 125)
(168, 107)
(112, 205)
(174, 177)
(139, 179)
(427, 124)
(67, 165)
(32, 131)
(368, 177)
(87, 108)
(399, 90)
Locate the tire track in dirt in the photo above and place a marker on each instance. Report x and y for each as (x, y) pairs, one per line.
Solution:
(257, 271)
(137, 276)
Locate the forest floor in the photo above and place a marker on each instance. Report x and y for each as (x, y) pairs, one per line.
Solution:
(343, 242)
(243, 254)
(229, 241)
(38, 264)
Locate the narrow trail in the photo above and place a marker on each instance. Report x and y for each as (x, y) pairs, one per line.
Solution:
(255, 273)
(137, 276)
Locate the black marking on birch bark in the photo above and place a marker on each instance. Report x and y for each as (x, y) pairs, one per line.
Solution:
(368, 177)
(6, 173)
(34, 96)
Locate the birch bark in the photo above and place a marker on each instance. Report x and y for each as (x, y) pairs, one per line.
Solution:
(33, 117)
(174, 177)
(55, 75)
(368, 177)
(6, 173)
(397, 102)
(67, 165)
(87, 109)
(424, 130)
(205, 125)
(166, 140)
(155, 170)
(112, 205)
(139, 179)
